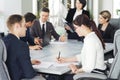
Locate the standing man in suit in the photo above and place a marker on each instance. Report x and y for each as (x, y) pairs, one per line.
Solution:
(39, 31)
(72, 13)
(32, 42)
(18, 57)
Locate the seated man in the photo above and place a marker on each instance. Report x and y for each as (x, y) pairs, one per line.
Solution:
(32, 42)
(18, 57)
(42, 27)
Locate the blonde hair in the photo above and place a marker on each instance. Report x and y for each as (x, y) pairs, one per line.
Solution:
(106, 15)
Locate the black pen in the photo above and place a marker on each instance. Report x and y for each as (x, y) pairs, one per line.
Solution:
(59, 55)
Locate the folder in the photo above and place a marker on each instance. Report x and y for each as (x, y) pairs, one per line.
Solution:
(69, 25)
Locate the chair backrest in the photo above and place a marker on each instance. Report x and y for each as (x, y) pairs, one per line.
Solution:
(3, 69)
(115, 67)
(115, 22)
(119, 77)
(2, 34)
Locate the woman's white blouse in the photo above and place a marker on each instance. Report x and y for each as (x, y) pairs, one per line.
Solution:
(92, 55)
(77, 13)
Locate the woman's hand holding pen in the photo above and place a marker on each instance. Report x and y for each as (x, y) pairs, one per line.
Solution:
(61, 60)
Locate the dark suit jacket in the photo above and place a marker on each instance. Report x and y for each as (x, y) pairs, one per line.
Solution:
(28, 38)
(71, 14)
(36, 30)
(69, 19)
(108, 34)
(18, 58)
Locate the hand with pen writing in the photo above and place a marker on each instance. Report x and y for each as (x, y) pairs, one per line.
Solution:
(61, 60)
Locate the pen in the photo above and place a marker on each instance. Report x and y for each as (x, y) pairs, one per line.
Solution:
(59, 55)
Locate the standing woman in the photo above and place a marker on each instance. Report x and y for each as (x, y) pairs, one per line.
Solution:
(107, 30)
(72, 13)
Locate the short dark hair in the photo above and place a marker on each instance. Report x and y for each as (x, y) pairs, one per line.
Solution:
(83, 2)
(29, 17)
(44, 9)
(15, 18)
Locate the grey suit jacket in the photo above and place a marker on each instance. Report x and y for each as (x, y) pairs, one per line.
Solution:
(36, 30)
(3, 69)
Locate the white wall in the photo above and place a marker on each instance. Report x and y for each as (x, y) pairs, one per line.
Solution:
(12, 7)
(27, 6)
(95, 11)
(106, 5)
(100, 5)
(116, 7)
(9, 7)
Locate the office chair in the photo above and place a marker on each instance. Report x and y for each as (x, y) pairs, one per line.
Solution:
(115, 22)
(2, 34)
(114, 73)
(3, 69)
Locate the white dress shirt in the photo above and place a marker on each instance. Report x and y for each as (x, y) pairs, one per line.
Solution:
(41, 23)
(92, 55)
(77, 13)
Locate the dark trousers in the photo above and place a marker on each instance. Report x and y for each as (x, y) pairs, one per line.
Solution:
(60, 77)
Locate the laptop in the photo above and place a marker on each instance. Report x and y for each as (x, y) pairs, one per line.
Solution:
(45, 41)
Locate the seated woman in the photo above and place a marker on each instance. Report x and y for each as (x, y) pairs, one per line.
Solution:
(92, 55)
(107, 30)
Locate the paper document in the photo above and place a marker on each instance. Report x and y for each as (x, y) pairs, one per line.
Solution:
(43, 65)
(64, 64)
(54, 64)
(57, 42)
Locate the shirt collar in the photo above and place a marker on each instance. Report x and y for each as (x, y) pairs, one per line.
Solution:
(87, 36)
(42, 22)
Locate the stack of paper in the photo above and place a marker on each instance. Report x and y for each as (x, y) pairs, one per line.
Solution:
(54, 64)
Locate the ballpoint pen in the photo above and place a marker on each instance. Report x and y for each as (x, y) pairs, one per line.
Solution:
(59, 55)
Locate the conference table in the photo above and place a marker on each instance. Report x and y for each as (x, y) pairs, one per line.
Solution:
(49, 53)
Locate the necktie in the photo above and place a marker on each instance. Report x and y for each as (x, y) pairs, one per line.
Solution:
(43, 30)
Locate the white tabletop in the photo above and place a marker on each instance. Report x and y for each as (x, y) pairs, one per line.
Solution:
(50, 53)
